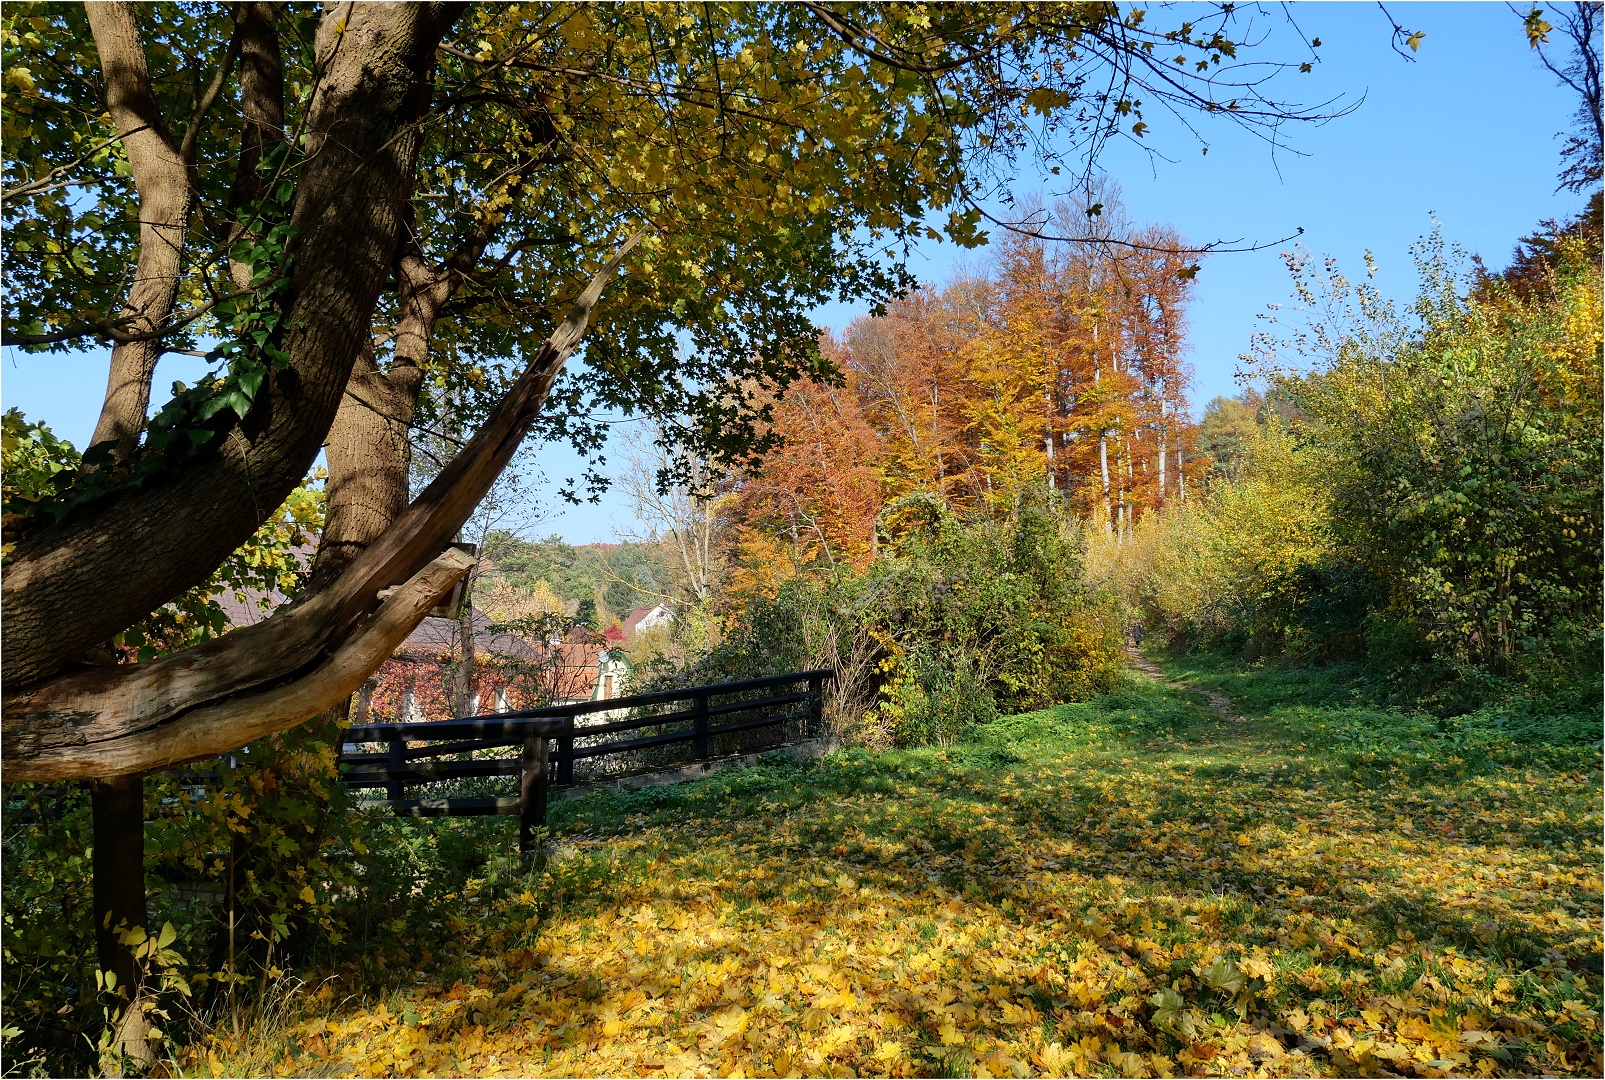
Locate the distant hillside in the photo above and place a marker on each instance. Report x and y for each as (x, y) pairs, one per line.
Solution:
(615, 577)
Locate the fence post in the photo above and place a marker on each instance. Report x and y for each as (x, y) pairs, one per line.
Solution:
(565, 752)
(699, 726)
(394, 766)
(816, 705)
(532, 792)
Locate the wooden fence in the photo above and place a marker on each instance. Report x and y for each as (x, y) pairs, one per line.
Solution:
(554, 738)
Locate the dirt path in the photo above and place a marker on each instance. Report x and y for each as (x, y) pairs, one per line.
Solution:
(1217, 700)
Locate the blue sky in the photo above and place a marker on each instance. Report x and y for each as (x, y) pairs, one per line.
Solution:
(1467, 131)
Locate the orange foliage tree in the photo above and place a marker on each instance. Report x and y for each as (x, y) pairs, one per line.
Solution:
(1062, 366)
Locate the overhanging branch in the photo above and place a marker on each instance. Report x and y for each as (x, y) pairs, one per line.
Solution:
(100, 750)
(112, 328)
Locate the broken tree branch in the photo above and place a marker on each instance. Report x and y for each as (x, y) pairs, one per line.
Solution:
(232, 722)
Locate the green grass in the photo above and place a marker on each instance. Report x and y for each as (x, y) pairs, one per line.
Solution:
(1131, 885)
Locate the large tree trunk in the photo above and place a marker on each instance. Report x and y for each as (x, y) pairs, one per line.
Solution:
(72, 586)
(368, 454)
(162, 182)
(266, 677)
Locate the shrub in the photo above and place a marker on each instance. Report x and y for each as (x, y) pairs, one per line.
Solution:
(1463, 460)
(955, 621)
(262, 844)
(1435, 503)
(1235, 568)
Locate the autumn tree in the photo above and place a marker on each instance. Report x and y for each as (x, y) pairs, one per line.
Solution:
(1060, 366)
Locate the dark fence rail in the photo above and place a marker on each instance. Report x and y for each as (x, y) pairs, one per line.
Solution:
(551, 740)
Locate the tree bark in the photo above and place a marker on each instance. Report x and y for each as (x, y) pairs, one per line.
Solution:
(129, 732)
(369, 452)
(118, 883)
(73, 585)
(224, 693)
(1103, 469)
(463, 677)
(162, 182)
(262, 105)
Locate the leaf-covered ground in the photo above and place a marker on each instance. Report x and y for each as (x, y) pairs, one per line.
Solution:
(1135, 886)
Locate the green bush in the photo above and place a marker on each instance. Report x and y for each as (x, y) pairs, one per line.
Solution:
(956, 621)
(935, 698)
(48, 975)
(263, 845)
(1432, 501)
(1460, 451)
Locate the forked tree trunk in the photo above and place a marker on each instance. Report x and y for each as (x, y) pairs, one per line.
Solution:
(369, 452)
(73, 585)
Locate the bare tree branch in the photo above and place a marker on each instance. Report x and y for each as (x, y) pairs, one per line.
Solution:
(47, 182)
(37, 750)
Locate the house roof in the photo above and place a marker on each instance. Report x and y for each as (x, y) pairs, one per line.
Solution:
(436, 637)
(573, 668)
(432, 637)
(575, 675)
(637, 615)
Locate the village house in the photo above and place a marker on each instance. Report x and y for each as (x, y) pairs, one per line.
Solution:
(510, 672)
(642, 619)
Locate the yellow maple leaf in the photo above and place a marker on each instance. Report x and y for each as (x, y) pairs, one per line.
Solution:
(730, 1022)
